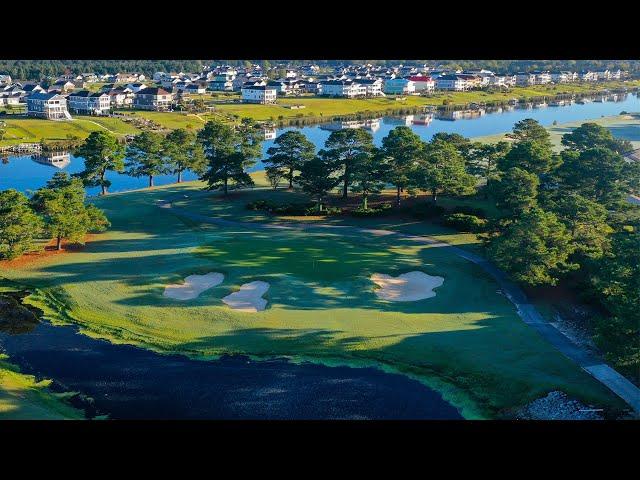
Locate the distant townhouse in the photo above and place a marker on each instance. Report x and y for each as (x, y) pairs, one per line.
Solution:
(136, 86)
(423, 83)
(472, 80)
(399, 86)
(310, 87)
(603, 75)
(62, 86)
(588, 76)
(285, 86)
(258, 94)
(194, 89)
(222, 83)
(542, 77)
(120, 97)
(561, 77)
(50, 106)
(452, 82)
(153, 98)
(500, 80)
(88, 103)
(10, 98)
(373, 86)
(524, 79)
(5, 80)
(616, 74)
(342, 88)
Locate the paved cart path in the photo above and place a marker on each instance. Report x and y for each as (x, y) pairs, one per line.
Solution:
(526, 310)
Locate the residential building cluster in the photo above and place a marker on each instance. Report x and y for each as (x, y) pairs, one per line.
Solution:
(163, 90)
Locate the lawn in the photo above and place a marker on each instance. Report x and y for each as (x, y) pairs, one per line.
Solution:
(22, 397)
(467, 341)
(32, 130)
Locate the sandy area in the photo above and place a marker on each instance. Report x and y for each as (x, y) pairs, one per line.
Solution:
(408, 287)
(193, 286)
(249, 297)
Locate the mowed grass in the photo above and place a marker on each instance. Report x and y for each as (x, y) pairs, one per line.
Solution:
(626, 127)
(33, 130)
(22, 397)
(468, 341)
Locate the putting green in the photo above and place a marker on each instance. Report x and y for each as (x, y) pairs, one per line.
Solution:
(467, 341)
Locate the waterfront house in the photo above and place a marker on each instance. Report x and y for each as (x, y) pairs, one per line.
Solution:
(194, 89)
(588, 76)
(5, 80)
(258, 94)
(88, 103)
(373, 86)
(541, 77)
(562, 77)
(153, 98)
(342, 88)
(423, 83)
(399, 86)
(524, 79)
(50, 106)
(452, 82)
(120, 97)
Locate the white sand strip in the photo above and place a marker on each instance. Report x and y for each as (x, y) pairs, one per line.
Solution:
(193, 286)
(249, 297)
(408, 287)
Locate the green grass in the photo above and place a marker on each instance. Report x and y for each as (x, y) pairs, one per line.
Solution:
(33, 130)
(626, 127)
(467, 342)
(22, 397)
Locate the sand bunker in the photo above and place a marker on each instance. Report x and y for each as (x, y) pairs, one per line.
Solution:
(408, 287)
(193, 286)
(249, 297)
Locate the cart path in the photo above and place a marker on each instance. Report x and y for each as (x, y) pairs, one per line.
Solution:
(589, 362)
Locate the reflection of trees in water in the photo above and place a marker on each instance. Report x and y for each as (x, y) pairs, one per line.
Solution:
(15, 319)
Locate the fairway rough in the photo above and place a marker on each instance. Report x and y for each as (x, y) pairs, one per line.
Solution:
(193, 286)
(407, 287)
(249, 297)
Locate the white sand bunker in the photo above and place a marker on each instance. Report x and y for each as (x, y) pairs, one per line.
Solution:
(193, 286)
(408, 287)
(249, 297)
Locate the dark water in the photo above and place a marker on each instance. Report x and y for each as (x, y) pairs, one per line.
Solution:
(127, 382)
(24, 173)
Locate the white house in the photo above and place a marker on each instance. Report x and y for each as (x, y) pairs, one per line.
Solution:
(51, 106)
(258, 94)
(524, 79)
(89, 103)
(373, 86)
(562, 77)
(452, 82)
(136, 87)
(423, 83)
(542, 77)
(5, 79)
(399, 86)
(342, 88)
(588, 76)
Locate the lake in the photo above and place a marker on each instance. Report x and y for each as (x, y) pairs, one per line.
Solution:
(128, 382)
(26, 173)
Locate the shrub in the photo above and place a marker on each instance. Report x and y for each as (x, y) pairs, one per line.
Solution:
(313, 211)
(467, 210)
(378, 211)
(465, 223)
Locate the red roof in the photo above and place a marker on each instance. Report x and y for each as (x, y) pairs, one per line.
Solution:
(420, 78)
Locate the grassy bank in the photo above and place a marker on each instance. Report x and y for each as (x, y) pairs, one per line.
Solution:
(22, 397)
(467, 341)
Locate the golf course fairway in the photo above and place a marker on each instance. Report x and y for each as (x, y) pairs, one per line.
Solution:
(467, 341)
